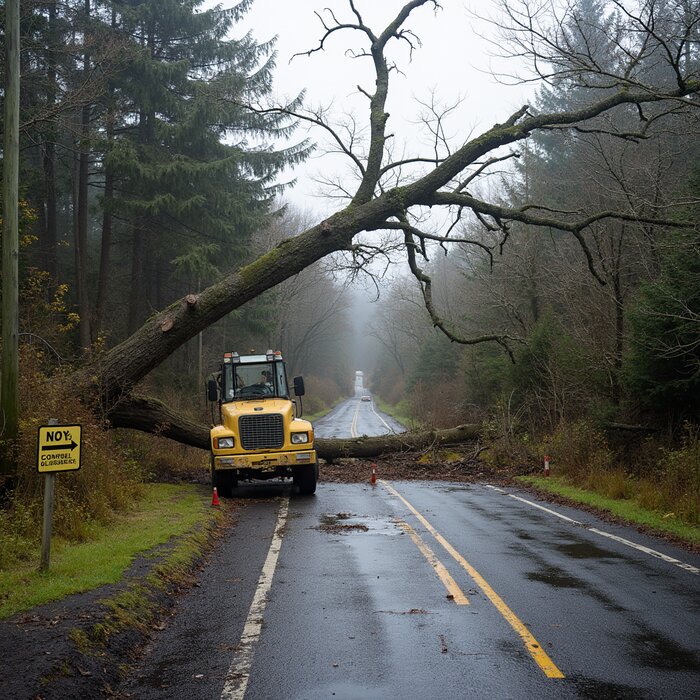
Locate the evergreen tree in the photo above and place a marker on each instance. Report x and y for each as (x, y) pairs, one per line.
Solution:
(663, 363)
(189, 165)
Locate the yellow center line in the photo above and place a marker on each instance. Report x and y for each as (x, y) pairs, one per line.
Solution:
(450, 584)
(353, 427)
(531, 644)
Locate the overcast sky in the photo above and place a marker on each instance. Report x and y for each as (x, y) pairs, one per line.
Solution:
(453, 62)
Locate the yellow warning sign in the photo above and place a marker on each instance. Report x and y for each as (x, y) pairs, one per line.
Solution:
(58, 448)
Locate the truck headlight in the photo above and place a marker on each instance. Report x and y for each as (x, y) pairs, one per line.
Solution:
(300, 438)
(224, 442)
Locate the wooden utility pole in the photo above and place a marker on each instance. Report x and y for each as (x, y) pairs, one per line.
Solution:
(9, 395)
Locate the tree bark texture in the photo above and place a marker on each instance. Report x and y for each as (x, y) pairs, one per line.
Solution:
(110, 379)
(81, 238)
(368, 447)
(9, 387)
(153, 416)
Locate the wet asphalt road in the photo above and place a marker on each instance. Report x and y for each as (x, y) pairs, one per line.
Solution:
(356, 610)
(355, 418)
(427, 590)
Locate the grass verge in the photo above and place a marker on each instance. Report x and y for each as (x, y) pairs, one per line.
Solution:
(323, 412)
(625, 509)
(166, 511)
(398, 412)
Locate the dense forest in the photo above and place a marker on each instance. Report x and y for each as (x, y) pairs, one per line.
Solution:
(609, 333)
(143, 180)
(564, 286)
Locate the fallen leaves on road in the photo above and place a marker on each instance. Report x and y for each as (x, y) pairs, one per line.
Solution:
(429, 466)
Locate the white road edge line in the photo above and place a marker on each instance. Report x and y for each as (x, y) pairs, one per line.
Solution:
(239, 671)
(381, 419)
(547, 510)
(646, 550)
(622, 540)
(495, 488)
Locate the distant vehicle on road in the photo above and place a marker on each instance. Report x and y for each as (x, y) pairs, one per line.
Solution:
(366, 397)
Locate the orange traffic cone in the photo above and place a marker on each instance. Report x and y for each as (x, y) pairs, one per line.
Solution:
(215, 497)
(373, 478)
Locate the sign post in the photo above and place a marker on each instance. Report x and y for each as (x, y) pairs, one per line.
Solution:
(58, 450)
(49, 487)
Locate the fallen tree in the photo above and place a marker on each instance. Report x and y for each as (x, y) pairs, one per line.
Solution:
(395, 196)
(368, 447)
(153, 416)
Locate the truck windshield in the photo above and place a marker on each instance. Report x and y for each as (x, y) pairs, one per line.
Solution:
(254, 381)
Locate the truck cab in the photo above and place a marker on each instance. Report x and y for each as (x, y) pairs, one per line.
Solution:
(259, 435)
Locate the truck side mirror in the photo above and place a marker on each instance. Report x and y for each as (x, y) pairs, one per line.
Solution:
(299, 386)
(212, 390)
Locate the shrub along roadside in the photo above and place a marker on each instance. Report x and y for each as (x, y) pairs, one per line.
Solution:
(400, 412)
(653, 476)
(626, 509)
(166, 511)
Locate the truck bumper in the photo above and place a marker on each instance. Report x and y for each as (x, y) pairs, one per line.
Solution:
(264, 461)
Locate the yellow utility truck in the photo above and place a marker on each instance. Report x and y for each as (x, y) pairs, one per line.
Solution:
(260, 434)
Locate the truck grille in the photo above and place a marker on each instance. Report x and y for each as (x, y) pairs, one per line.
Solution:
(261, 431)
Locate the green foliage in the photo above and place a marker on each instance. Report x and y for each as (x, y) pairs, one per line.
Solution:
(629, 510)
(669, 483)
(107, 483)
(662, 369)
(553, 377)
(438, 361)
(192, 171)
(487, 371)
(322, 393)
(578, 449)
(164, 512)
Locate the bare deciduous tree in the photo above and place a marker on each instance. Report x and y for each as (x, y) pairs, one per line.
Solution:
(653, 72)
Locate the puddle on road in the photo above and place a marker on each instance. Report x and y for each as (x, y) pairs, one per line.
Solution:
(594, 690)
(348, 523)
(555, 577)
(652, 649)
(454, 489)
(584, 550)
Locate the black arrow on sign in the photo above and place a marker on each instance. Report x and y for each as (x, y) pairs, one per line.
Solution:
(71, 446)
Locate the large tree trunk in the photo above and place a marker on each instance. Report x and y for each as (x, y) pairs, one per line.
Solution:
(368, 447)
(106, 243)
(50, 243)
(115, 374)
(153, 416)
(81, 238)
(105, 254)
(136, 285)
(108, 382)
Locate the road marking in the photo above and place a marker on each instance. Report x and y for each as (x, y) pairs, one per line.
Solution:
(531, 644)
(443, 574)
(646, 550)
(381, 419)
(239, 670)
(617, 538)
(495, 488)
(547, 510)
(353, 425)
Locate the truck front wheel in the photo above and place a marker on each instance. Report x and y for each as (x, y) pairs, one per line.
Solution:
(307, 476)
(224, 480)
